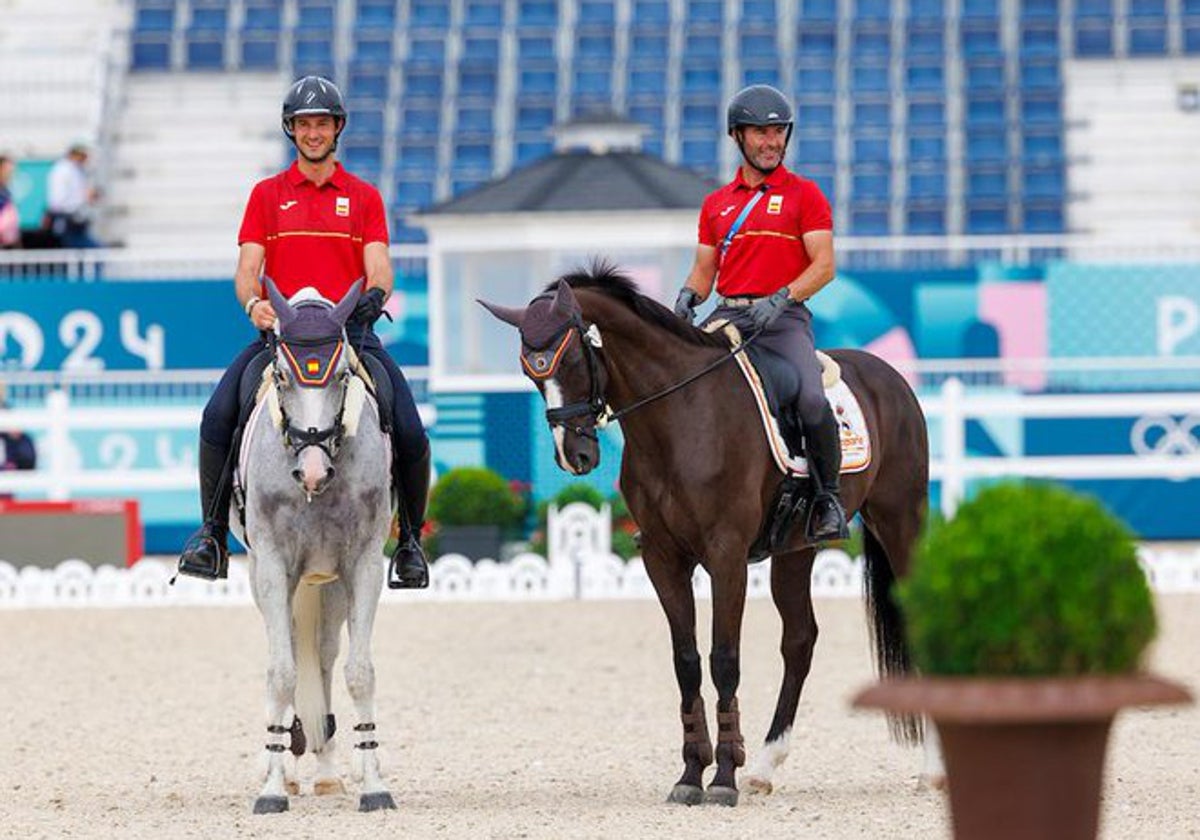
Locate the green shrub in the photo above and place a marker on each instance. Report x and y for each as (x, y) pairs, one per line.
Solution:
(1027, 580)
(475, 496)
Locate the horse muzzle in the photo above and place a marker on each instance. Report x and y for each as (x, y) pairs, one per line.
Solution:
(314, 471)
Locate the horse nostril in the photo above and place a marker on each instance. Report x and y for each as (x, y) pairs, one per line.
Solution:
(583, 462)
(298, 475)
(330, 474)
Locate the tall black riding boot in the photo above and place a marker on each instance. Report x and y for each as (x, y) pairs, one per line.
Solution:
(826, 519)
(206, 554)
(409, 569)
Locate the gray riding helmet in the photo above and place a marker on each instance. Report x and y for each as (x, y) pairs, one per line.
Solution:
(313, 95)
(759, 105)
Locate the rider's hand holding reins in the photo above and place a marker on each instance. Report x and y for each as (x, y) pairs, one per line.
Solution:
(370, 307)
(686, 303)
(765, 311)
(261, 313)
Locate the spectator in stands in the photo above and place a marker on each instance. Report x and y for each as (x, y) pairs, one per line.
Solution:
(766, 240)
(17, 451)
(313, 224)
(10, 218)
(69, 199)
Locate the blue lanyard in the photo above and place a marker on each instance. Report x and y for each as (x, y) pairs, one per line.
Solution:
(741, 219)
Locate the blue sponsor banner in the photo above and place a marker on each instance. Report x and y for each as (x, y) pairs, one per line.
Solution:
(158, 325)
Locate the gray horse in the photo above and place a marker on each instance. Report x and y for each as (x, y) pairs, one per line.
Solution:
(315, 482)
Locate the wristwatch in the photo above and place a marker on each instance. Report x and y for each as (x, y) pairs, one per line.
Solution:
(250, 304)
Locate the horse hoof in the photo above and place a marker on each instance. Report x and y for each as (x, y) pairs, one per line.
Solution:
(328, 787)
(757, 786)
(270, 804)
(721, 795)
(683, 794)
(381, 801)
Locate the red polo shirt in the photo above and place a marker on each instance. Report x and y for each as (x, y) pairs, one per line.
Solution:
(314, 236)
(767, 251)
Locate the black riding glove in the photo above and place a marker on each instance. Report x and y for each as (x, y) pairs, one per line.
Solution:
(766, 311)
(369, 307)
(686, 303)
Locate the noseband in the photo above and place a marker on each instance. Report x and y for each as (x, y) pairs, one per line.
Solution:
(541, 363)
(329, 439)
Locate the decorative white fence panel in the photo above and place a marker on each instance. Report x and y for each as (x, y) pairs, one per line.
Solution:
(577, 568)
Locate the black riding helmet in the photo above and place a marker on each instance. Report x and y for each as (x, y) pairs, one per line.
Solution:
(313, 95)
(758, 105)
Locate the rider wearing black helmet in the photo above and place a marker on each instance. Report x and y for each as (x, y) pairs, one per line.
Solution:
(314, 224)
(766, 242)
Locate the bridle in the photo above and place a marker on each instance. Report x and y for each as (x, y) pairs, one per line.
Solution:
(328, 439)
(541, 363)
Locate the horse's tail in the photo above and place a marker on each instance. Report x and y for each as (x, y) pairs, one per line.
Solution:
(311, 705)
(887, 631)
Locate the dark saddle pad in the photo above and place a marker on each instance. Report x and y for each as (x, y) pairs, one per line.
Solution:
(383, 390)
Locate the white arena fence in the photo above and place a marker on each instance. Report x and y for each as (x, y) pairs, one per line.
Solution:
(580, 566)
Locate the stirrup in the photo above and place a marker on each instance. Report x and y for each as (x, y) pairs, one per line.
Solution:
(834, 532)
(205, 556)
(408, 568)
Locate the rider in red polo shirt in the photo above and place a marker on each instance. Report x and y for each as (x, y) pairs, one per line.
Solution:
(766, 239)
(314, 224)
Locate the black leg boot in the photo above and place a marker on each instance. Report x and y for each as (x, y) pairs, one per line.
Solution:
(409, 569)
(826, 519)
(206, 554)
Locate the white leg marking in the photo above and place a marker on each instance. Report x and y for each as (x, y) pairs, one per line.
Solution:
(772, 754)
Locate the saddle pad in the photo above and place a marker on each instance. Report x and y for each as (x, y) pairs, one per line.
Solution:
(856, 443)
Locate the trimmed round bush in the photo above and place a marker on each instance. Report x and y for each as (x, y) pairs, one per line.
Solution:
(1027, 580)
(474, 496)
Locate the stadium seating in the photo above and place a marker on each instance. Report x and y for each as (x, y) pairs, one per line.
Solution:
(872, 82)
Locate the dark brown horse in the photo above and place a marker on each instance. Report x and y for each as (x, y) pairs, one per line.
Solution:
(698, 478)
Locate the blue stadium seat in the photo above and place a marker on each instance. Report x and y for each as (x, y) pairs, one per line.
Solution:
(429, 51)
(534, 117)
(1148, 39)
(372, 48)
(261, 18)
(699, 152)
(871, 42)
(651, 11)
(701, 114)
(926, 113)
(986, 145)
(1042, 146)
(367, 122)
(869, 220)
(417, 157)
(649, 45)
(1040, 9)
(813, 149)
(870, 114)
(924, 40)
(870, 78)
(987, 181)
(376, 14)
(593, 84)
(872, 149)
(1047, 182)
(363, 158)
(1096, 9)
(926, 148)
(151, 19)
(597, 11)
(1093, 40)
(260, 51)
(314, 50)
(479, 83)
(816, 79)
(532, 47)
(411, 192)
(871, 183)
(367, 83)
(532, 148)
(1147, 11)
(873, 10)
(927, 11)
(758, 12)
(755, 44)
(822, 175)
(472, 156)
(700, 78)
(420, 123)
(980, 39)
(760, 74)
(987, 217)
(816, 43)
(537, 81)
(316, 16)
(824, 11)
(481, 50)
(594, 46)
(205, 53)
(927, 183)
(703, 11)
(151, 51)
(209, 19)
(980, 9)
(648, 114)
(1191, 37)
(475, 120)
(429, 14)
(815, 115)
(1044, 217)
(925, 220)
(985, 109)
(921, 78)
(985, 75)
(423, 83)
(701, 45)
(1041, 75)
(648, 82)
(1041, 109)
(537, 13)
(485, 13)
(1039, 39)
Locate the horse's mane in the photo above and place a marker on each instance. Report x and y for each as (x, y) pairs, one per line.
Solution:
(605, 278)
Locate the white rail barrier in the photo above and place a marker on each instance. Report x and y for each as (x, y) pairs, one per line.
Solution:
(578, 567)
